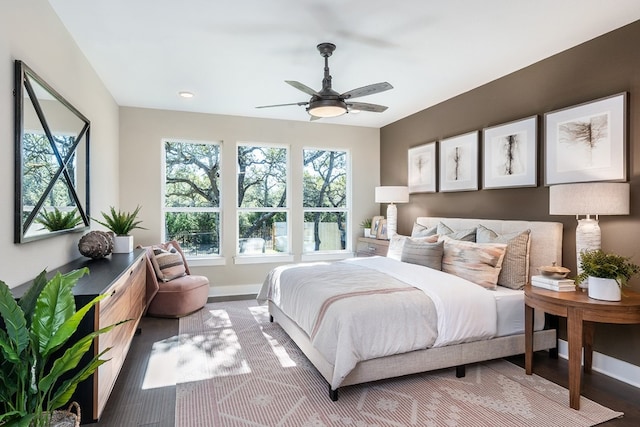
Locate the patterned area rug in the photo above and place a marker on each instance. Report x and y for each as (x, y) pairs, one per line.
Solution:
(235, 368)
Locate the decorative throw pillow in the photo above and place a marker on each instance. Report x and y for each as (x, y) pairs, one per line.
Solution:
(423, 253)
(467, 235)
(477, 262)
(168, 263)
(396, 244)
(422, 231)
(515, 267)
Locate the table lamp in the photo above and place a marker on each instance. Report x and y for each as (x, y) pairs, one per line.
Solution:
(391, 195)
(590, 198)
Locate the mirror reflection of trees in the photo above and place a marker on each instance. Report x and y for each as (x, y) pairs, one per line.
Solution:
(52, 141)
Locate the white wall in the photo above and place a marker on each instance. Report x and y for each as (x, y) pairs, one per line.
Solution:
(141, 135)
(30, 31)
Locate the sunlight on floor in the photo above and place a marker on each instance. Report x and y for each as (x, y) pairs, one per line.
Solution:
(261, 313)
(161, 368)
(213, 350)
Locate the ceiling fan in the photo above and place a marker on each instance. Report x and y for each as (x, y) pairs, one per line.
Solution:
(329, 103)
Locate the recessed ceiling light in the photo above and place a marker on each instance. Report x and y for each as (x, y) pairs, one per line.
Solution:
(185, 94)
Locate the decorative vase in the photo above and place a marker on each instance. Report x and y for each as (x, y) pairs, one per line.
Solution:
(604, 289)
(367, 232)
(122, 244)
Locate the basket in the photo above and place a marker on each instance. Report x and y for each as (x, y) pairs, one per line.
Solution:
(66, 418)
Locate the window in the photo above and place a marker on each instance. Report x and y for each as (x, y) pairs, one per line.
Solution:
(192, 196)
(263, 208)
(326, 201)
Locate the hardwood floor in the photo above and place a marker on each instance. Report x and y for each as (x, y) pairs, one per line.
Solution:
(132, 405)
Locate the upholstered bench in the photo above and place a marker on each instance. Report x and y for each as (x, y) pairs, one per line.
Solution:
(175, 292)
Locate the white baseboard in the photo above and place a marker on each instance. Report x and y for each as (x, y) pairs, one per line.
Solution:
(232, 290)
(607, 365)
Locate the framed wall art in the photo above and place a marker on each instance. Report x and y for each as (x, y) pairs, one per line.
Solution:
(459, 163)
(422, 168)
(587, 142)
(510, 154)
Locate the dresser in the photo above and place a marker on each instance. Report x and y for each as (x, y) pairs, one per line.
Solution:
(122, 276)
(370, 247)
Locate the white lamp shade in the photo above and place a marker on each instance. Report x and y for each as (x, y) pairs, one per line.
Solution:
(591, 198)
(392, 194)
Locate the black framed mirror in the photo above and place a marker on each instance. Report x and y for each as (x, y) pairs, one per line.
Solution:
(52, 161)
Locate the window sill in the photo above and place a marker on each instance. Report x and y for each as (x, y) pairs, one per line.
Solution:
(263, 259)
(326, 256)
(206, 261)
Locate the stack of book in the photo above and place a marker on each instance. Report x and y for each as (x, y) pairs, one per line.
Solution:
(560, 285)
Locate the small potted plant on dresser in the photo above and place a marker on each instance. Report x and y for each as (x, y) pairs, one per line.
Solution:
(42, 360)
(606, 274)
(366, 225)
(121, 223)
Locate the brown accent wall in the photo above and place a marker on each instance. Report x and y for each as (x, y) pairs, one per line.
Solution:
(604, 66)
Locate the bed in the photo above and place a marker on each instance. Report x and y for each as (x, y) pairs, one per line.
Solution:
(366, 319)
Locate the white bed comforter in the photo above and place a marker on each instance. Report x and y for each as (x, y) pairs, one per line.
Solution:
(363, 308)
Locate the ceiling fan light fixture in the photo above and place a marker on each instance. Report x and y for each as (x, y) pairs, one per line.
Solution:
(326, 108)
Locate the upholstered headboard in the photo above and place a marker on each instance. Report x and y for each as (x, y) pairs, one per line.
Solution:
(546, 237)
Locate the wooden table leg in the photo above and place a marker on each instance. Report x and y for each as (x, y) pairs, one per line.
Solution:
(574, 337)
(528, 339)
(588, 329)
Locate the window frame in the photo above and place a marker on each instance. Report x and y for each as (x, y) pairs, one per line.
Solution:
(348, 209)
(205, 260)
(281, 257)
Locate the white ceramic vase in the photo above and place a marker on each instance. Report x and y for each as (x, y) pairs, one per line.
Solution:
(604, 289)
(367, 232)
(122, 244)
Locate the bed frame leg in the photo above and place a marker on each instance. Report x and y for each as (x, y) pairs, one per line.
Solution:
(333, 394)
(270, 318)
(461, 371)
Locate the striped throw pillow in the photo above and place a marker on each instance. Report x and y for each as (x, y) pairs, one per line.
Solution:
(423, 253)
(169, 264)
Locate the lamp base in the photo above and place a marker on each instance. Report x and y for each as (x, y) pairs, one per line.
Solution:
(392, 220)
(588, 238)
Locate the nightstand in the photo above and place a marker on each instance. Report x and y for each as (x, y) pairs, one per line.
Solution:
(371, 247)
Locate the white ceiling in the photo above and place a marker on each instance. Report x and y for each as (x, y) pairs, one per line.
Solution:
(235, 55)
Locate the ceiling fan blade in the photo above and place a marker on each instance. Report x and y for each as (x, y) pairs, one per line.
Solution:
(282, 105)
(367, 90)
(306, 89)
(364, 106)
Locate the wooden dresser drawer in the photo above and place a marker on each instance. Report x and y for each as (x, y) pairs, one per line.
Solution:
(371, 247)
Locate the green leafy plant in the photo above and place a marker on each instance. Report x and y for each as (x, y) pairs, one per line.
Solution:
(37, 349)
(598, 263)
(366, 223)
(121, 223)
(58, 220)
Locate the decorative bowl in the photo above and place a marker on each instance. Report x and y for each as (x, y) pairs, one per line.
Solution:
(554, 272)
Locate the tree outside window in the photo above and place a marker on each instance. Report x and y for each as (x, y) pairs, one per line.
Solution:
(263, 211)
(325, 198)
(192, 196)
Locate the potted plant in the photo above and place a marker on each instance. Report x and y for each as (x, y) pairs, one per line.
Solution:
(121, 223)
(366, 224)
(606, 274)
(57, 220)
(41, 364)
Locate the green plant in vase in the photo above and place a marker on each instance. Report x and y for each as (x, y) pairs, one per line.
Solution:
(38, 349)
(121, 222)
(606, 273)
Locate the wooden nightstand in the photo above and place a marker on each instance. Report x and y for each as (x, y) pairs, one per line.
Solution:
(582, 313)
(371, 247)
